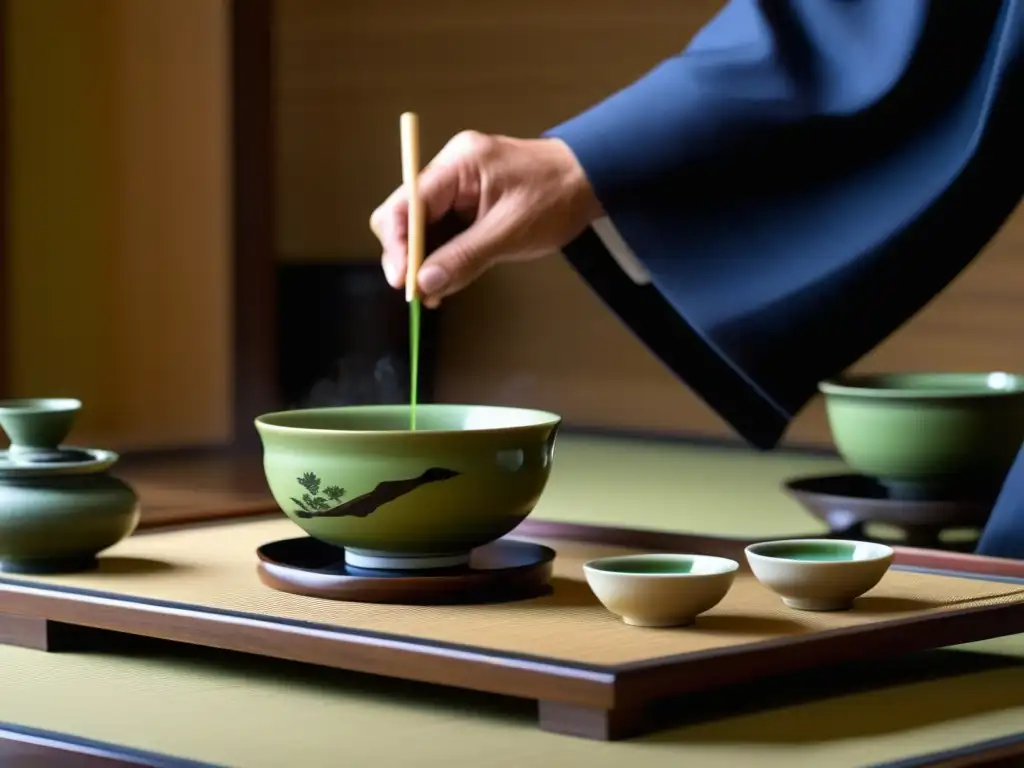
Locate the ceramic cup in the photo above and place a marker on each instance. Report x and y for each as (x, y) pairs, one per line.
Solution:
(928, 435)
(394, 499)
(660, 590)
(819, 574)
(37, 426)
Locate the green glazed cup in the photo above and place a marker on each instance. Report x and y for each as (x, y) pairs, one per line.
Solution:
(358, 478)
(928, 434)
(38, 424)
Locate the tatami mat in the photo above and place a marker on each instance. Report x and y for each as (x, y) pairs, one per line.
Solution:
(249, 713)
(682, 487)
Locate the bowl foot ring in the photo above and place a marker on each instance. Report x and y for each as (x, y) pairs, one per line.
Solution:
(369, 560)
(817, 604)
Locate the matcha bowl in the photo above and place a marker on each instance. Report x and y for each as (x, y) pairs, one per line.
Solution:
(928, 435)
(357, 477)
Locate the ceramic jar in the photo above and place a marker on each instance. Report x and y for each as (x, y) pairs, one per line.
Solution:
(59, 506)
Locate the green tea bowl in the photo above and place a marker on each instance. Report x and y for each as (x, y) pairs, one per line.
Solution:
(819, 574)
(928, 435)
(358, 478)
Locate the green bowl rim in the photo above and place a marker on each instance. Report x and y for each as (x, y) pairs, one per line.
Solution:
(545, 419)
(884, 551)
(15, 405)
(597, 563)
(860, 385)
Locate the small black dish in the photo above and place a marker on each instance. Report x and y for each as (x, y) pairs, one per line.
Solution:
(501, 571)
(849, 503)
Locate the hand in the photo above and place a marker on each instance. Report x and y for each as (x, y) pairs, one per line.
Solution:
(521, 198)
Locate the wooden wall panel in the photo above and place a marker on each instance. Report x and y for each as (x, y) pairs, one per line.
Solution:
(119, 209)
(346, 70)
(535, 335)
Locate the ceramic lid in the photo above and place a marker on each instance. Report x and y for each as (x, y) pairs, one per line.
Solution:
(36, 428)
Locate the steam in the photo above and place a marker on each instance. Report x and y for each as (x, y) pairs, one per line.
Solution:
(360, 379)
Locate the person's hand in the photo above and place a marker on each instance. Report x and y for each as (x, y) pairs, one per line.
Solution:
(519, 198)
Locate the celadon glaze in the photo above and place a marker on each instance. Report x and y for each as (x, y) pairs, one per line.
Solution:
(54, 523)
(928, 430)
(816, 550)
(38, 423)
(357, 478)
(59, 507)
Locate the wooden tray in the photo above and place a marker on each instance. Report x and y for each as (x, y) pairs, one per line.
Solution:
(591, 675)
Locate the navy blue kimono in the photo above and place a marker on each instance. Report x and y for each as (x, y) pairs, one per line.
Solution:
(798, 183)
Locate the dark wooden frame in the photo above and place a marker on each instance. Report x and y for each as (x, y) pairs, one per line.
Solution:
(4, 176)
(591, 701)
(254, 214)
(33, 747)
(30, 746)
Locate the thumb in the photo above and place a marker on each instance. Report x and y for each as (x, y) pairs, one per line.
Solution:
(463, 259)
(438, 187)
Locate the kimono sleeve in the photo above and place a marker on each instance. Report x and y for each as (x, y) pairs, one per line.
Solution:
(796, 184)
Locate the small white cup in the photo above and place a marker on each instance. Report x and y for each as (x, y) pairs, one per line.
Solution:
(655, 590)
(819, 574)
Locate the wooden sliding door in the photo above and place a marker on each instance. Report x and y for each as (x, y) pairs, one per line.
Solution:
(130, 199)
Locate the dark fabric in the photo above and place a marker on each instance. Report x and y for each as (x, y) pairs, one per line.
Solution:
(1004, 534)
(801, 181)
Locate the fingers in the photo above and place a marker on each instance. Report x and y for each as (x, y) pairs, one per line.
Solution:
(390, 224)
(439, 189)
(463, 259)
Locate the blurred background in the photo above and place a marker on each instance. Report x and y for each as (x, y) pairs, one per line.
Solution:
(187, 188)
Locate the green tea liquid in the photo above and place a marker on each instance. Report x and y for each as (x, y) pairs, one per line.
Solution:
(414, 359)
